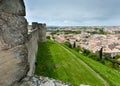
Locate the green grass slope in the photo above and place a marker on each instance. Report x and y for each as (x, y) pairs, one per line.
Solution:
(111, 75)
(55, 61)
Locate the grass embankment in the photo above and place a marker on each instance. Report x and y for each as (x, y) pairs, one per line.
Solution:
(110, 74)
(56, 62)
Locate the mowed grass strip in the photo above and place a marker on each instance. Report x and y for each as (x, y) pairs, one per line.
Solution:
(109, 74)
(55, 62)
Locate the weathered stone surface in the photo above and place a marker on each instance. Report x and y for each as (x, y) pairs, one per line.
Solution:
(13, 28)
(13, 65)
(34, 25)
(42, 81)
(32, 46)
(15, 7)
(18, 49)
(42, 32)
(13, 34)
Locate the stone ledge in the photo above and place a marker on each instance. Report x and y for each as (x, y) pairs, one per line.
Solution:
(42, 81)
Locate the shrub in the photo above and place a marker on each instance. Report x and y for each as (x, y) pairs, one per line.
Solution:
(68, 44)
(86, 52)
(117, 56)
(48, 37)
(78, 48)
(93, 56)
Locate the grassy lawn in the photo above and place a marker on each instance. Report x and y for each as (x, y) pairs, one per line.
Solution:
(111, 75)
(56, 62)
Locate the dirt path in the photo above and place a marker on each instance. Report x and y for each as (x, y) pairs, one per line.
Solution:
(102, 79)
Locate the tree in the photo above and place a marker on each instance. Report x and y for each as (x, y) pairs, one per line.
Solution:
(86, 52)
(101, 31)
(48, 37)
(100, 53)
(74, 44)
(68, 44)
(117, 56)
(93, 56)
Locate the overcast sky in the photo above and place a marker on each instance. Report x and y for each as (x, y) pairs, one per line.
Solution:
(74, 12)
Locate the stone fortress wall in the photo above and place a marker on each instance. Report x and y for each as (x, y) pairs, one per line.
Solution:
(18, 47)
(13, 35)
(34, 35)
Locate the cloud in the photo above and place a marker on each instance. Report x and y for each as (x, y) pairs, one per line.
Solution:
(74, 12)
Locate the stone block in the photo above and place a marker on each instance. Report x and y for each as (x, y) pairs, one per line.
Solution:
(14, 29)
(13, 65)
(16, 7)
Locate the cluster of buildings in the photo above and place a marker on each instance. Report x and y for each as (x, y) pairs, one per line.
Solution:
(110, 43)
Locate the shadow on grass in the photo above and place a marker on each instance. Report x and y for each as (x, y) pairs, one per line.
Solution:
(44, 62)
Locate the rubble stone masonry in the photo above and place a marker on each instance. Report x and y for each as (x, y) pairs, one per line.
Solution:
(13, 35)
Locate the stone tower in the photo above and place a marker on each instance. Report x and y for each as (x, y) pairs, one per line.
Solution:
(42, 32)
(34, 25)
